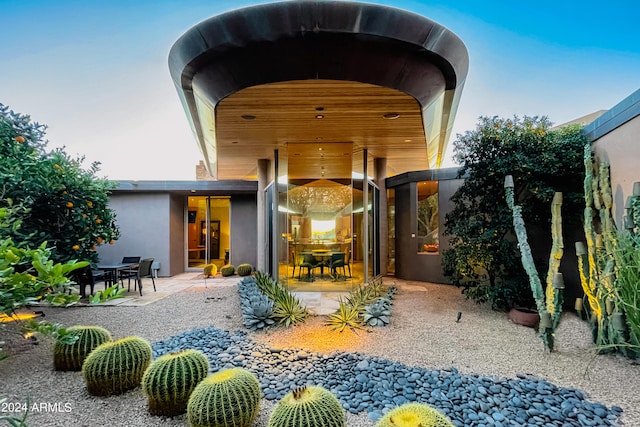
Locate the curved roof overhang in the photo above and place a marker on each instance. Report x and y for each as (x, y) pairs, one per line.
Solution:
(324, 41)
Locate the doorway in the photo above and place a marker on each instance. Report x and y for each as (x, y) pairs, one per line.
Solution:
(208, 231)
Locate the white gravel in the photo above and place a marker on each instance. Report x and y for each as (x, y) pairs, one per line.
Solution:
(423, 332)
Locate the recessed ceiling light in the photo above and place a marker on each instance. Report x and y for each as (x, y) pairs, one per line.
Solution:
(319, 108)
(248, 117)
(391, 116)
(407, 140)
(320, 148)
(319, 116)
(234, 142)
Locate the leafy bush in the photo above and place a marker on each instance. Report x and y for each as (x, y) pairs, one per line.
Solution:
(483, 255)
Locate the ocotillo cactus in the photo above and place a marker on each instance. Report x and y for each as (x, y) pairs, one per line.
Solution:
(414, 415)
(550, 307)
(310, 406)
(170, 379)
(229, 398)
(116, 366)
(69, 357)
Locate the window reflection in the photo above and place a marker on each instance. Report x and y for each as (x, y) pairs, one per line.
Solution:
(428, 216)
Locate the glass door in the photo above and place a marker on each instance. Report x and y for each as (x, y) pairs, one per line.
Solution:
(208, 231)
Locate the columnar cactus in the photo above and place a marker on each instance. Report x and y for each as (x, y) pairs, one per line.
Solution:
(170, 379)
(244, 269)
(311, 406)
(550, 305)
(228, 398)
(116, 366)
(227, 270)
(69, 357)
(414, 415)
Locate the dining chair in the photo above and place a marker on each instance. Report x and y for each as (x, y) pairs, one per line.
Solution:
(144, 270)
(341, 263)
(309, 262)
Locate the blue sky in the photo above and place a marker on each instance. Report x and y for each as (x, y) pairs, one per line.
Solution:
(96, 71)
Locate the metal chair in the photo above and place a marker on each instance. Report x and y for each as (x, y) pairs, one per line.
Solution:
(128, 274)
(144, 270)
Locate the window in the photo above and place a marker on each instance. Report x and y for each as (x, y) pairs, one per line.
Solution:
(427, 216)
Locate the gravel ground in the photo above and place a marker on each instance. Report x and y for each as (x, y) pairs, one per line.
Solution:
(423, 332)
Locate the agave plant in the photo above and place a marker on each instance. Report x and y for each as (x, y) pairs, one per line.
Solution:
(289, 311)
(258, 313)
(377, 314)
(346, 316)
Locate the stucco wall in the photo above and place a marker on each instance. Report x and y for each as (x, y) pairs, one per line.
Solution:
(621, 148)
(145, 227)
(244, 230)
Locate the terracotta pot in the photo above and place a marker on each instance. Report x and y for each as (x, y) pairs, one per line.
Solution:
(524, 317)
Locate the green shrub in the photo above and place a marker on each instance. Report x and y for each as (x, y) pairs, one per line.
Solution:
(414, 415)
(70, 357)
(116, 366)
(311, 406)
(229, 398)
(244, 269)
(170, 379)
(227, 270)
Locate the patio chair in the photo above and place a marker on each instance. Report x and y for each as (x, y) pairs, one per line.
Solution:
(144, 270)
(128, 274)
(83, 277)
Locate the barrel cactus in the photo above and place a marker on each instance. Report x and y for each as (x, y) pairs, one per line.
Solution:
(311, 406)
(116, 366)
(228, 398)
(244, 269)
(414, 415)
(69, 357)
(210, 270)
(170, 379)
(227, 270)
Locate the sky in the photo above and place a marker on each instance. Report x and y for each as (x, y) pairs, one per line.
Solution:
(96, 73)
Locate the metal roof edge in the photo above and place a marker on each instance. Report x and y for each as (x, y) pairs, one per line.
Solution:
(624, 111)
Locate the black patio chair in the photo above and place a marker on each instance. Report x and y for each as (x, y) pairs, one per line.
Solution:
(128, 274)
(83, 277)
(144, 270)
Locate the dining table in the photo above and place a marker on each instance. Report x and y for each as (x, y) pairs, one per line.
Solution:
(322, 255)
(112, 271)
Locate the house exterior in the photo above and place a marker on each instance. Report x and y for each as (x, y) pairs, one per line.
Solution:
(312, 117)
(322, 127)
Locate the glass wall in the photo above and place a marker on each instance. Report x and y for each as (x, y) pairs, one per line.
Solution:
(427, 216)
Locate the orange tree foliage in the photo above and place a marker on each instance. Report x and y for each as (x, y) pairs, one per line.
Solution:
(66, 205)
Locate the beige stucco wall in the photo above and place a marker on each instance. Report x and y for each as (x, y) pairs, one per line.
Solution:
(621, 148)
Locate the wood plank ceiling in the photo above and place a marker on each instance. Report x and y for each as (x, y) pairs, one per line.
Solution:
(320, 124)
